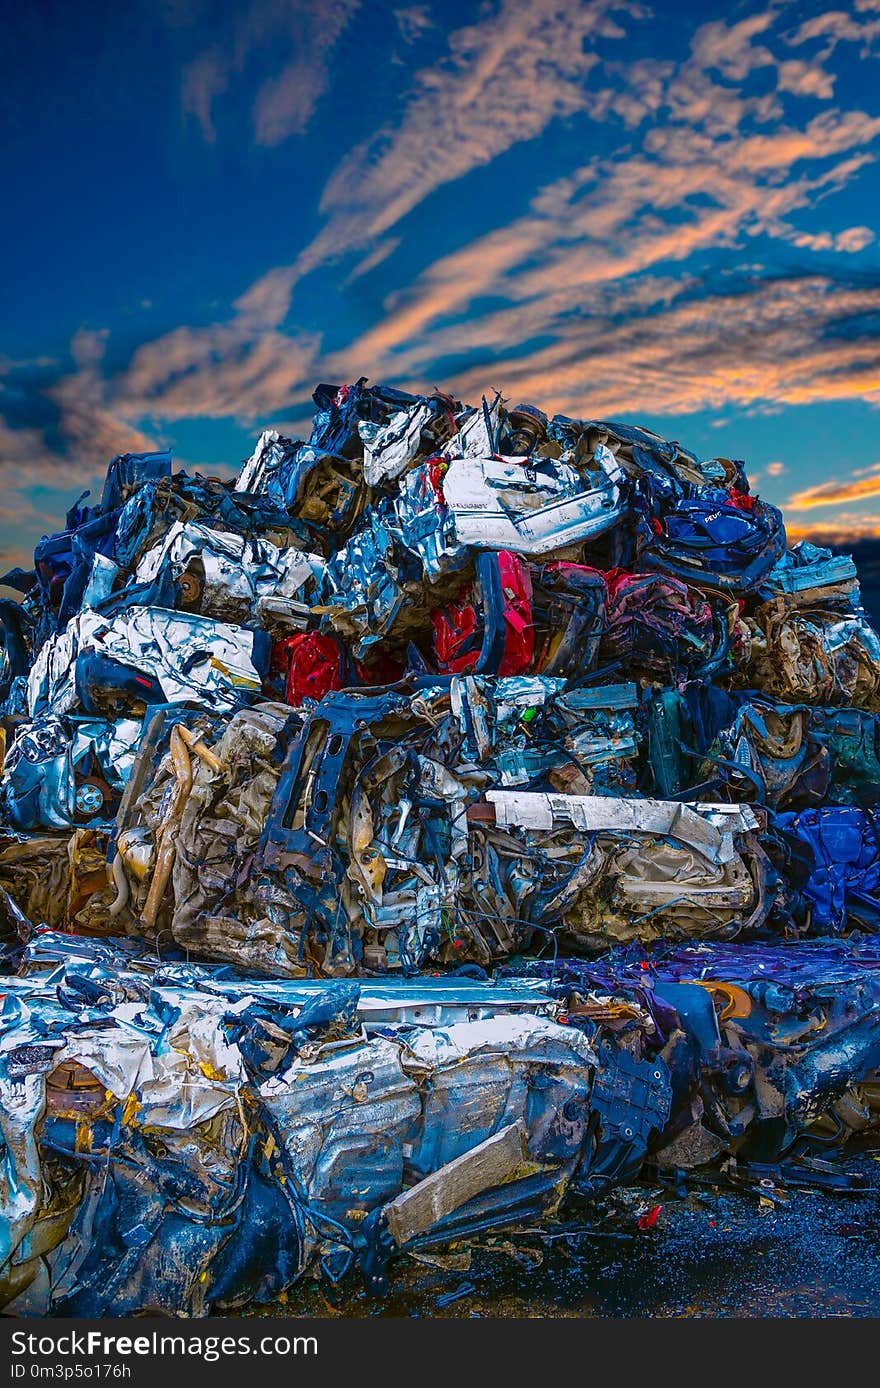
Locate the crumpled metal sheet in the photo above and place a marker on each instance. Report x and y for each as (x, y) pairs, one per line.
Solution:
(660, 629)
(58, 879)
(545, 506)
(846, 876)
(390, 447)
(807, 573)
(60, 772)
(190, 658)
(231, 577)
(814, 655)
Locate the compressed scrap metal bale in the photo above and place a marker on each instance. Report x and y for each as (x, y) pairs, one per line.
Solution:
(176, 1142)
(617, 869)
(380, 840)
(762, 1042)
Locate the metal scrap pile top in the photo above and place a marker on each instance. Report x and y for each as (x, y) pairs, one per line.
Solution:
(446, 691)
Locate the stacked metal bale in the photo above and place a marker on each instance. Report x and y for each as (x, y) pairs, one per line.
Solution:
(442, 690)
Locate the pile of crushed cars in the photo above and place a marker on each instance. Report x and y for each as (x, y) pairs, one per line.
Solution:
(452, 820)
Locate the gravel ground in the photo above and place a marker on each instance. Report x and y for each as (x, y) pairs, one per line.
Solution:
(714, 1253)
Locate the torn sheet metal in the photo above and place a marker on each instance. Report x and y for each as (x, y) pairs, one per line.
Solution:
(231, 577)
(707, 828)
(154, 507)
(143, 656)
(62, 772)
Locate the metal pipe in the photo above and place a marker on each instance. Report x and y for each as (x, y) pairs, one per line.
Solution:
(195, 744)
(123, 891)
(166, 849)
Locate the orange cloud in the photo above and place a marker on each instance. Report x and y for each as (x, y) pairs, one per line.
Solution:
(847, 529)
(838, 493)
(603, 223)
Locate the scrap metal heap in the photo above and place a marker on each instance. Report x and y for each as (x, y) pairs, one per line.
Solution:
(375, 830)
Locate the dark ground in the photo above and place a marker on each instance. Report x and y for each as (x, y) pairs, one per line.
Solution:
(717, 1254)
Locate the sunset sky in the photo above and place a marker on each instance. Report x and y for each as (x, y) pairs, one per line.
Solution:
(661, 213)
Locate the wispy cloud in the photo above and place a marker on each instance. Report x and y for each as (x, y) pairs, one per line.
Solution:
(848, 528)
(502, 81)
(62, 429)
(303, 33)
(770, 342)
(730, 50)
(854, 239)
(586, 289)
(242, 368)
(860, 25)
(838, 493)
(601, 296)
(414, 21)
(204, 79)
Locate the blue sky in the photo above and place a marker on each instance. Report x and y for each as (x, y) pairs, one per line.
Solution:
(665, 213)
